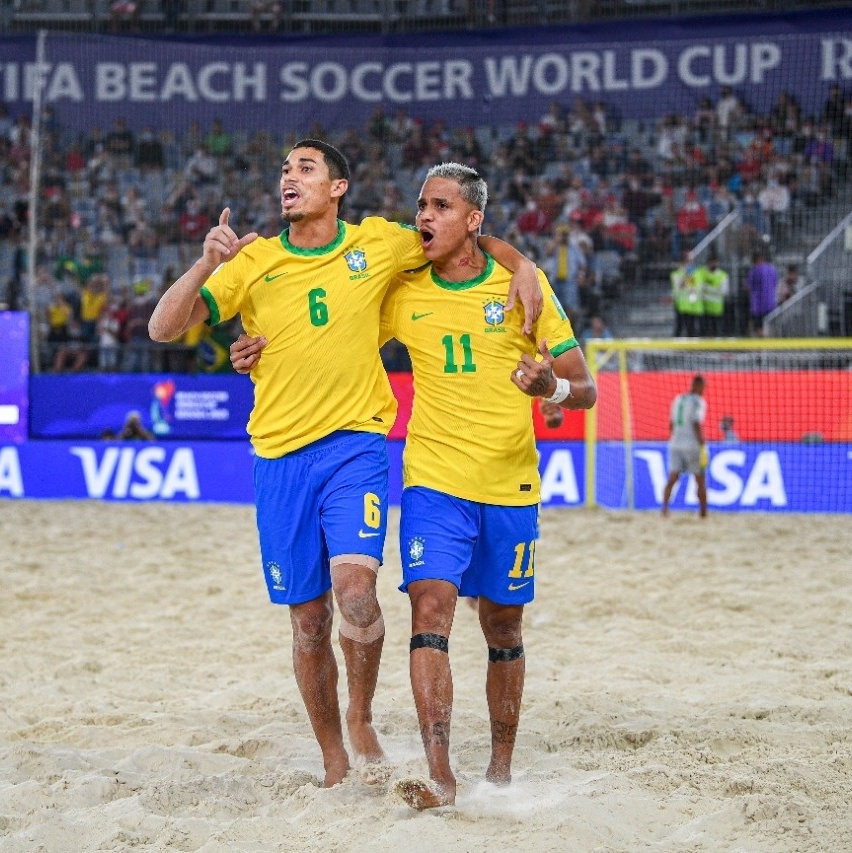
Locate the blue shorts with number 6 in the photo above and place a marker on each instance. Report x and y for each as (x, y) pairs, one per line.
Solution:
(482, 549)
(321, 501)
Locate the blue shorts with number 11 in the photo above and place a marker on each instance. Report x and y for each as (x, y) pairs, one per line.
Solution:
(483, 549)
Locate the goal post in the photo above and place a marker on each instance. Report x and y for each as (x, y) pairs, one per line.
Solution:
(778, 423)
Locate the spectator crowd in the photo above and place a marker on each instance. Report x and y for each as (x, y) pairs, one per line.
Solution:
(595, 200)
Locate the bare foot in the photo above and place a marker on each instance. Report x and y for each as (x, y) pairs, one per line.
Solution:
(364, 742)
(498, 776)
(335, 771)
(423, 794)
(375, 772)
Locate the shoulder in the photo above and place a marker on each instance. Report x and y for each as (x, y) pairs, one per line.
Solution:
(379, 224)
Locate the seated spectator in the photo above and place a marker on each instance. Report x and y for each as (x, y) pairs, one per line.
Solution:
(149, 151)
(112, 333)
(201, 168)
(124, 15)
(691, 224)
(120, 143)
(138, 355)
(219, 142)
(194, 222)
(172, 10)
(774, 200)
(143, 243)
(261, 9)
(533, 221)
(596, 329)
(789, 285)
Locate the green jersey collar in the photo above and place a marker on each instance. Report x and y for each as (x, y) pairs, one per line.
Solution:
(471, 282)
(319, 250)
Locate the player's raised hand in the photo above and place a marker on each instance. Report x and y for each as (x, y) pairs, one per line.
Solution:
(245, 352)
(221, 243)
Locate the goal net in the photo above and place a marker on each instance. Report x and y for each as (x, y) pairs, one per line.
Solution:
(778, 423)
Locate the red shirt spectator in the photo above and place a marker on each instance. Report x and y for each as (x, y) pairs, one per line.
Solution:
(534, 220)
(692, 217)
(193, 223)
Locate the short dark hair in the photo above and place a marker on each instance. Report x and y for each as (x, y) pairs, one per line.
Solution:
(338, 166)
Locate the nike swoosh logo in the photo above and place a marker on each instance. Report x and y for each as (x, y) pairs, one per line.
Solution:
(514, 586)
(362, 535)
(421, 316)
(273, 277)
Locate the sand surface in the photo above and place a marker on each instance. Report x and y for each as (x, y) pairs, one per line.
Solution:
(689, 688)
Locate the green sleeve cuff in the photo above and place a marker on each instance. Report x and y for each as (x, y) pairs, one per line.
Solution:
(563, 347)
(212, 307)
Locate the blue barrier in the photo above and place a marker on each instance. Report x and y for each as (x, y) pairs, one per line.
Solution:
(746, 477)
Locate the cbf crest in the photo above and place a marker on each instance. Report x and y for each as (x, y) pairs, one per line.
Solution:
(275, 573)
(356, 260)
(416, 550)
(495, 314)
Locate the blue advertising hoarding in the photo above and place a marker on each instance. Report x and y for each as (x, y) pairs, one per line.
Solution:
(639, 68)
(746, 477)
(14, 375)
(174, 406)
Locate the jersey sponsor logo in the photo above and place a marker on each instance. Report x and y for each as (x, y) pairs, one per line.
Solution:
(356, 260)
(513, 587)
(415, 316)
(273, 277)
(364, 535)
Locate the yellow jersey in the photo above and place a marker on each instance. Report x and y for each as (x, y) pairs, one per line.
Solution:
(319, 312)
(471, 429)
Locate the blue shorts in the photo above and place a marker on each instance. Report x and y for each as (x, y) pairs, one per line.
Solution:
(318, 502)
(482, 549)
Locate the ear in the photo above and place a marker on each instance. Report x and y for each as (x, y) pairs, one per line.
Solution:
(339, 187)
(474, 221)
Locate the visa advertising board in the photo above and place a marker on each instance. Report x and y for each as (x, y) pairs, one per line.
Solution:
(783, 477)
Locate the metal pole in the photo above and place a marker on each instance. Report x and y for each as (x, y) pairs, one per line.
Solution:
(33, 213)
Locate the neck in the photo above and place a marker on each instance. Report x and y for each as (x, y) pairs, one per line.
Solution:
(313, 233)
(464, 265)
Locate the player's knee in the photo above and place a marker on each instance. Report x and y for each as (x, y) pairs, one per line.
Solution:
(355, 592)
(502, 628)
(312, 624)
(433, 605)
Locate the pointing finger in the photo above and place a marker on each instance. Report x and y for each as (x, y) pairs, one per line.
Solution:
(225, 216)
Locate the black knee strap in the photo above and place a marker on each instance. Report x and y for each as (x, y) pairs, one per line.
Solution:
(429, 641)
(505, 655)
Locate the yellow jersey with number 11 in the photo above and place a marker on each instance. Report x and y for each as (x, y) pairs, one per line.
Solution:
(471, 429)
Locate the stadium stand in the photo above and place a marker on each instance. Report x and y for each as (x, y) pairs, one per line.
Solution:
(631, 195)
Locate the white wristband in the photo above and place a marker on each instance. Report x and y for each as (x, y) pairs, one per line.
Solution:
(562, 392)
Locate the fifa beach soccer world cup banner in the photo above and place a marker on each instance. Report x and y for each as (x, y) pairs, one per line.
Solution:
(639, 69)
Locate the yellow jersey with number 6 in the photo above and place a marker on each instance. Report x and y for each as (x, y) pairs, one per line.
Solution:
(319, 311)
(471, 430)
